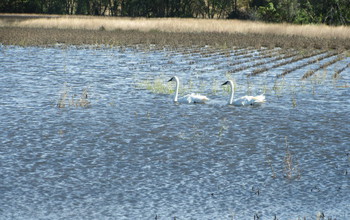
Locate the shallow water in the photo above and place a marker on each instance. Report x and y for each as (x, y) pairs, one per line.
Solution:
(134, 154)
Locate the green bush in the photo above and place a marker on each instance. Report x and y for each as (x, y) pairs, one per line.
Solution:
(268, 13)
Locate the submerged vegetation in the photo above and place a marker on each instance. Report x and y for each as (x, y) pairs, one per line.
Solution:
(158, 86)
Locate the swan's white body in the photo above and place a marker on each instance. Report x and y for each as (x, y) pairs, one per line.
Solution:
(190, 98)
(244, 100)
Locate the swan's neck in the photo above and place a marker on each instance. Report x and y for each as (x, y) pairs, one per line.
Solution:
(177, 89)
(232, 93)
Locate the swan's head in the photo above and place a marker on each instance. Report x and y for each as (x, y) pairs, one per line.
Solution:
(174, 78)
(226, 83)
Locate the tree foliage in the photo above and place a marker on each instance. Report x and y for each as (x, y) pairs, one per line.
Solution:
(332, 12)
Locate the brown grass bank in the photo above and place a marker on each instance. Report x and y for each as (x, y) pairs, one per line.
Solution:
(77, 30)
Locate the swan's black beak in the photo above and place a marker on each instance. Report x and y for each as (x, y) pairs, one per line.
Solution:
(225, 83)
(171, 79)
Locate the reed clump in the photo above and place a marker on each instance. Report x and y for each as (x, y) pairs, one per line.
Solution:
(66, 99)
(290, 166)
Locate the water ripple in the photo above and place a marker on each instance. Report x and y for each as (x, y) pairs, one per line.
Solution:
(134, 154)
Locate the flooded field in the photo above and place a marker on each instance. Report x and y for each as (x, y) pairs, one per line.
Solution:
(92, 132)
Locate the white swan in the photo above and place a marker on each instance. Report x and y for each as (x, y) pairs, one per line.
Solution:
(190, 98)
(244, 100)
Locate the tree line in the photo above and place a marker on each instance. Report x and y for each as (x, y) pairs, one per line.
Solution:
(332, 12)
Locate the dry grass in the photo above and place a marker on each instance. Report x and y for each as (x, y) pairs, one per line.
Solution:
(77, 30)
(182, 25)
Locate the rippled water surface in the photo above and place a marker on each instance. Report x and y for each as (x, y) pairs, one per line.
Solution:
(133, 153)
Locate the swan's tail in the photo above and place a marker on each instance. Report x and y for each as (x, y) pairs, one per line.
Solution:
(195, 98)
(260, 98)
(198, 97)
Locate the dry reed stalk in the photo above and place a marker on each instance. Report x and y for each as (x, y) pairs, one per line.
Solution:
(251, 65)
(83, 101)
(274, 175)
(338, 71)
(287, 56)
(271, 53)
(295, 59)
(244, 51)
(271, 60)
(312, 72)
(317, 59)
(65, 101)
(291, 171)
(242, 59)
(62, 99)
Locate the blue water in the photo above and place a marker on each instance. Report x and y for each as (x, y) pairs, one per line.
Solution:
(134, 154)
